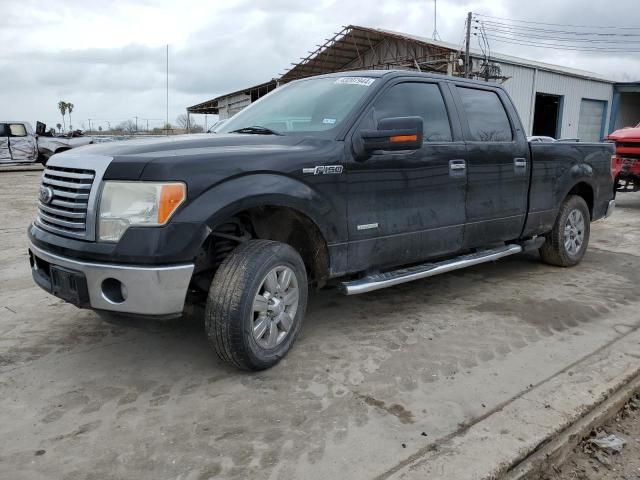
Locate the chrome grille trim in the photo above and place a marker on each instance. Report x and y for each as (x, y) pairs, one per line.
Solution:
(76, 182)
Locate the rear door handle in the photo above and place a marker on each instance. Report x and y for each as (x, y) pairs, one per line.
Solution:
(520, 162)
(457, 165)
(457, 168)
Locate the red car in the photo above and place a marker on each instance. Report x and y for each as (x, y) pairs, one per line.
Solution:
(625, 165)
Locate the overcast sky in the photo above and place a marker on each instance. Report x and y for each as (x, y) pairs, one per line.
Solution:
(108, 56)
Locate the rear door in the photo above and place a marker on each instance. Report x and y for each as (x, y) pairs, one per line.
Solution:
(22, 143)
(408, 206)
(5, 154)
(497, 166)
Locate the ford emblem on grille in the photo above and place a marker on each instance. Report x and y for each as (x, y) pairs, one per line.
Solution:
(46, 194)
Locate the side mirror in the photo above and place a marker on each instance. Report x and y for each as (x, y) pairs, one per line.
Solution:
(398, 133)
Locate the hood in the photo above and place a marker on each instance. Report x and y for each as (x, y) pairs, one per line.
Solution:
(203, 160)
(629, 134)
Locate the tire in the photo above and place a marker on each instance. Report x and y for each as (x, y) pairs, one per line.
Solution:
(567, 243)
(244, 298)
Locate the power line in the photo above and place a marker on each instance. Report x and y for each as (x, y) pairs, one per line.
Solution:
(568, 39)
(556, 46)
(522, 29)
(556, 24)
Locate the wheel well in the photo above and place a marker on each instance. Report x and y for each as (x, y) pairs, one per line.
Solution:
(585, 191)
(282, 224)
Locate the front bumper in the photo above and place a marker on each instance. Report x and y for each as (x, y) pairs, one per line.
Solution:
(140, 290)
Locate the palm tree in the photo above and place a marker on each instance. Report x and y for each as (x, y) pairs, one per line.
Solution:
(62, 106)
(70, 109)
(58, 126)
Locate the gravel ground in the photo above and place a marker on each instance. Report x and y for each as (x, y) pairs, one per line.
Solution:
(590, 463)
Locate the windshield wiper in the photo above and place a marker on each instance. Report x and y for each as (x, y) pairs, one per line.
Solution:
(257, 130)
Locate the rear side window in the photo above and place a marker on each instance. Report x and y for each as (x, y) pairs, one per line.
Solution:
(487, 118)
(417, 100)
(18, 130)
(4, 131)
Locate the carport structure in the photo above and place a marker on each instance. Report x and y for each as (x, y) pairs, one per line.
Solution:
(352, 48)
(552, 100)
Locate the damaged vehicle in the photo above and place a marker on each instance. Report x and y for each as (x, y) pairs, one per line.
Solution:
(20, 144)
(361, 180)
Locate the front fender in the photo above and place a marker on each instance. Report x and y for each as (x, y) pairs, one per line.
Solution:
(225, 199)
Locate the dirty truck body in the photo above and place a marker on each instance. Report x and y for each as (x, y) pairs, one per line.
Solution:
(360, 180)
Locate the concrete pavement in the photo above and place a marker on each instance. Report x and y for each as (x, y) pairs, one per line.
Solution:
(381, 385)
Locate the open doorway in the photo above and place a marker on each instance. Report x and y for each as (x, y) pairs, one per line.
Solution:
(547, 115)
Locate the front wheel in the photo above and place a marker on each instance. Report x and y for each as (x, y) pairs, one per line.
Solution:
(567, 243)
(256, 304)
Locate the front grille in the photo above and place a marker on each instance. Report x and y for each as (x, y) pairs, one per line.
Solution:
(66, 211)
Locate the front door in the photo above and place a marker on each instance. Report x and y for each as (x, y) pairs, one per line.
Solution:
(22, 143)
(5, 154)
(497, 167)
(405, 207)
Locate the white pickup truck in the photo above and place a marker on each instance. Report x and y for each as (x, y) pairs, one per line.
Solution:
(20, 144)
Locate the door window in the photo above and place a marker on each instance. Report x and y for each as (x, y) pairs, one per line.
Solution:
(486, 116)
(18, 130)
(419, 100)
(4, 131)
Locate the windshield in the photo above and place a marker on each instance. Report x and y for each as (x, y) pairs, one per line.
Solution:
(314, 105)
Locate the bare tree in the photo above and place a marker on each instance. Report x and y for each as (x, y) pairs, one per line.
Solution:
(182, 121)
(128, 126)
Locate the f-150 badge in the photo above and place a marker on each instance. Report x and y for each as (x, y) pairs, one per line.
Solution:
(323, 170)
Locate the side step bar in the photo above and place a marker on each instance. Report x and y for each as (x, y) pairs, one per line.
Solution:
(396, 277)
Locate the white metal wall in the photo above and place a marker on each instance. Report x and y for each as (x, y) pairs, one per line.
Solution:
(574, 90)
(525, 82)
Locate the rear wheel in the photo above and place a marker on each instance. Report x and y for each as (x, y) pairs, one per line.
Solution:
(567, 243)
(256, 304)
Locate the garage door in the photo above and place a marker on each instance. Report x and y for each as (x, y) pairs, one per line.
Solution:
(590, 124)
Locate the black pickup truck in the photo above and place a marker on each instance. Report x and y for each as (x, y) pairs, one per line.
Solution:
(361, 180)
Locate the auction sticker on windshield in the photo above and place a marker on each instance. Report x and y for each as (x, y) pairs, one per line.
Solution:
(363, 81)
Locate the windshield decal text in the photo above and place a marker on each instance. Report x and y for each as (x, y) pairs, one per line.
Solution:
(363, 81)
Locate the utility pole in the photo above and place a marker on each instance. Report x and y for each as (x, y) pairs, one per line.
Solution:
(136, 117)
(147, 125)
(89, 124)
(435, 34)
(467, 60)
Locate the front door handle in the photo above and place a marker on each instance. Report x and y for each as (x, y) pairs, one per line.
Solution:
(520, 162)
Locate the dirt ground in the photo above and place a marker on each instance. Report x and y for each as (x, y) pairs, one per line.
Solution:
(375, 383)
(589, 463)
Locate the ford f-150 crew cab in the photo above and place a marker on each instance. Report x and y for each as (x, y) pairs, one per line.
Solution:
(361, 180)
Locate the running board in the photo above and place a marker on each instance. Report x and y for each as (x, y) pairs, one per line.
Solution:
(396, 277)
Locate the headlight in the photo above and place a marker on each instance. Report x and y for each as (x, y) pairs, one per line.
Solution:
(125, 204)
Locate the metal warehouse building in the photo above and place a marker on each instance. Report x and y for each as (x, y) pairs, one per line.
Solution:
(552, 100)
